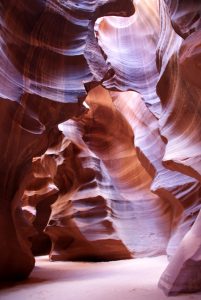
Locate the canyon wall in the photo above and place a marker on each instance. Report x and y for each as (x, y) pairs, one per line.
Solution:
(100, 134)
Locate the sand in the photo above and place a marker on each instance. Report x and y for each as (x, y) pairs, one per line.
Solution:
(134, 279)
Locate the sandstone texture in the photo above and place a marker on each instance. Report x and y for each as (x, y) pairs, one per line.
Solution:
(100, 134)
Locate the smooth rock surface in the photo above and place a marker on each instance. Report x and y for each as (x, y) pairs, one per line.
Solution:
(121, 176)
(42, 73)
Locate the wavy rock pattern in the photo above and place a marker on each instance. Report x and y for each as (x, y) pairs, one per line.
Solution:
(38, 196)
(182, 149)
(185, 16)
(43, 68)
(182, 98)
(114, 145)
(167, 77)
(123, 180)
(98, 216)
(125, 44)
(81, 224)
(183, 272)
(182, 192)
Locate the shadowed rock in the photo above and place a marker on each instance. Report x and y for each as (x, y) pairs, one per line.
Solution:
(43, 68)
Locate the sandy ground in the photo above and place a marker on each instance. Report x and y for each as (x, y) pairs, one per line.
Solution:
(119, 280)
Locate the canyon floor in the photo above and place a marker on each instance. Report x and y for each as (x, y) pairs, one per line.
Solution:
(134, 279)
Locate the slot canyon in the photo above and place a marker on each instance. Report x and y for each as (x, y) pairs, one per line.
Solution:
(100, 138)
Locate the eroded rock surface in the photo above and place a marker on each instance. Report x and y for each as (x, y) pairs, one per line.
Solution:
(121, 178)
(43, 70)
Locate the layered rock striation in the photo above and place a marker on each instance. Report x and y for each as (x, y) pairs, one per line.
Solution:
(43, 70)
(117, 176)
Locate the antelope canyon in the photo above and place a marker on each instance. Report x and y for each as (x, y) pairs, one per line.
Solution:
(100, 138)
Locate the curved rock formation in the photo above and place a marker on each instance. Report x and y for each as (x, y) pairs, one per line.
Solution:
(43, 67)
(125, 43)
(183, 273)
(182, 149)
(182, 100)
(36, 204)
(113, 143)
(185, 16)
(167, 77)
(81, 225)
(123, 180)
(105, 205)
(182, 192)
